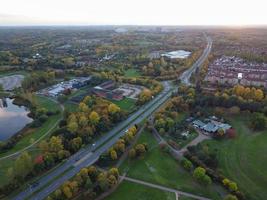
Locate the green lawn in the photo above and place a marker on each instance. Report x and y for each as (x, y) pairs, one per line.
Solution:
(71, 107)
(160, 168)
(133, 191)
(244, 159)
(131, 73)
(126, 104)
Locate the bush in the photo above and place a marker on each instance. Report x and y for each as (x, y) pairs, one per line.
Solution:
(187, 164)
(43, 118)
(230, 197)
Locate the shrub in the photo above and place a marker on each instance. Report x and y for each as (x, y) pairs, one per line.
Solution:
(187, 164)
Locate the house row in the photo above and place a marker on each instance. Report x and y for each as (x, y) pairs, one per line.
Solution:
(233, 70)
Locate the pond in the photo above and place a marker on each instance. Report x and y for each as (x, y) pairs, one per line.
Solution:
(13, 118)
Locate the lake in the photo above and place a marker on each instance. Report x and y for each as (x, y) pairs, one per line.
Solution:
(13, 118)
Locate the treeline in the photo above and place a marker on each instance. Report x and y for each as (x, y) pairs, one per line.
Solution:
(165, 69)
(117, 150)
(38, 80)
(207, 169)
(86, 184)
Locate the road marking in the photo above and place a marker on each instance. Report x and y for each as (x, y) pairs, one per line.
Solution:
(82, 159)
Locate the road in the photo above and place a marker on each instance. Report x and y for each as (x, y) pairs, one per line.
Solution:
(185, 77)
(166, 189)
(101, 146)
(47, 184)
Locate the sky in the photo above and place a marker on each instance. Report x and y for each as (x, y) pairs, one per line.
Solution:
(133, 12)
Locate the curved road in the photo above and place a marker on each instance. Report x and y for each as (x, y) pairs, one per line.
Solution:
(88, 155)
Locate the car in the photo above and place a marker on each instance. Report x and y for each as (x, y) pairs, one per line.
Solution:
(93, 144)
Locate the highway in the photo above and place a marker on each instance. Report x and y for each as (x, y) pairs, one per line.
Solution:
(185, 77)
(89, 155)
(101, 145)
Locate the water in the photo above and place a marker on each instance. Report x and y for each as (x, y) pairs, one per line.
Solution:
(12, 118)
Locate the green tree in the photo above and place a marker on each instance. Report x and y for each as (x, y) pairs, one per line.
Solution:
(23, 166)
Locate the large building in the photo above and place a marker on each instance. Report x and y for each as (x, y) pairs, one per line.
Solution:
(233, 70)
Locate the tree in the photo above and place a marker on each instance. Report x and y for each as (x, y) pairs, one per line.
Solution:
(140, 149)
(83, 107)
(94, 118)
(230, 197)
(199, 172)
(88, 183)
(83, 121)
(112, 108)
(58, 194)
(232, 186)
(200, 175)
(259, 95)
(23, 166)
(113, 155)
(102, 181)
(144, 96)
(112, 180)
(206, 180)
(72, 126)
(55, 144)
(187, 164)
(76, 143)
(132, 153)
(258, 121)
(114, 171)
(67, 191)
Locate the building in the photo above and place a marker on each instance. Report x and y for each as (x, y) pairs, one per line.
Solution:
(59, 88)
(212, 126)
(180, 54)
(106, 90)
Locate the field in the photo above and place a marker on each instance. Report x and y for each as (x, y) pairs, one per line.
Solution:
(131, 73)
(126, 104)
(70, 107)
(244, 159)
(160, 168)
(133, 191)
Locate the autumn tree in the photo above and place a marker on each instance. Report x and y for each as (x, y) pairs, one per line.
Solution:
(112, 108)
(94, 118)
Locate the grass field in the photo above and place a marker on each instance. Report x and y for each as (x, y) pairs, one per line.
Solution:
(160, 168)
(131, 73)
(244, 159)
(126, 104)
(133, 191)
(70, 107)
